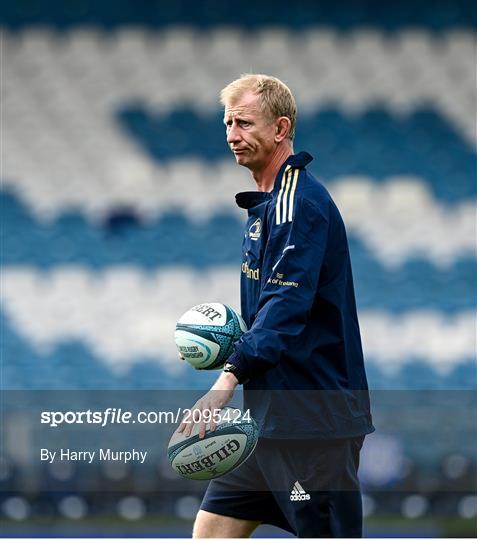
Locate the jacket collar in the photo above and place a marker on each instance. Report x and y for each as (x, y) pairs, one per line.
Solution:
(297, 161)
(250, 199)
(300, 160)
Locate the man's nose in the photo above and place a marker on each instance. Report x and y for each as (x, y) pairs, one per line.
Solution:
(233, 135)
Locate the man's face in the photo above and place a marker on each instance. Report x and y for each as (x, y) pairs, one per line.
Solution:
(250, 135)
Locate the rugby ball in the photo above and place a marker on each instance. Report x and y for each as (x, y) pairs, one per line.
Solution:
(219, 452)
(206, 333)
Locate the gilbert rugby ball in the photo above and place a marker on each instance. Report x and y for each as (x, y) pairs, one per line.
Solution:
(219, 452)
(206, 333)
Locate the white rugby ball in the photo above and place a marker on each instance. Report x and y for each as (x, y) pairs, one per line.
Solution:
(206, 333)
(219, 452)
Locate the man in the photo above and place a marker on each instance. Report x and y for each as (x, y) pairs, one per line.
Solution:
(301, 360)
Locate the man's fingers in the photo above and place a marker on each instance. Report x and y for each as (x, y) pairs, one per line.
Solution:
(201, 415)
(202, 429)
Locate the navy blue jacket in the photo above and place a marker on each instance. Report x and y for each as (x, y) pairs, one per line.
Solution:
(302, 354)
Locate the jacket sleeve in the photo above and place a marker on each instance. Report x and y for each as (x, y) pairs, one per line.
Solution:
(290, 273)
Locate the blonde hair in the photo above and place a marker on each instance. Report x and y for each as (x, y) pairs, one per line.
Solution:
(276, 98)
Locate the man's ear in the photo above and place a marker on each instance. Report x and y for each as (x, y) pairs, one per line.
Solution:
(283, 126)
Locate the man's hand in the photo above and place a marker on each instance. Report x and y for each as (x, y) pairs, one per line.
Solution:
(216, 398)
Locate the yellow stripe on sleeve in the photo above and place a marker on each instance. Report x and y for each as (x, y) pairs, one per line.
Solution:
(292, 195)
(287, 188)
(280, 194)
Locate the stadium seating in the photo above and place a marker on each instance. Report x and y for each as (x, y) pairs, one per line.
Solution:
(117, 123)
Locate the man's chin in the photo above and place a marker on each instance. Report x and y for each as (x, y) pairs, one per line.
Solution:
(241, 158)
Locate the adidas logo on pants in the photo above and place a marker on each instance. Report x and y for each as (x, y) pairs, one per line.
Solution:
(298, 493)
